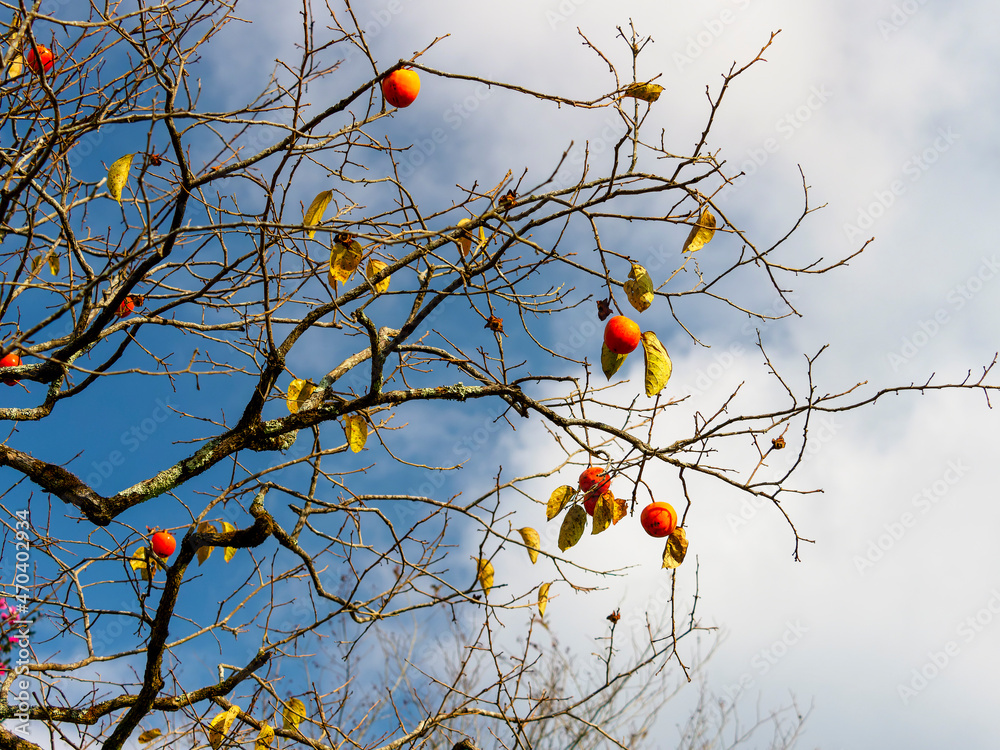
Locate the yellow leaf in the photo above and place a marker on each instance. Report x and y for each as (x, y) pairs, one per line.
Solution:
(356, 431)
(658, 364)
(149, 735)
(36, 263)
(314, 214)
(573, 526)
(676, 549)
(375, 267)
(230, 551)
(484, 574)
(619, 509)
(639, 288)
(344, 260)
(299, 392)
(118, 176)
(143, 561)
(219, 727)
(603, 513)
(532, 541)
(648, 92)
(53, 259)
(265, 738)
(557, 501)
(465, 237)
(294, 713)
(701, 233)
(15, 67)
(204, 552)
(611, 362)
(543, 598)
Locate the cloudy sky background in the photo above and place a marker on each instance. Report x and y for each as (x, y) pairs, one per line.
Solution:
(890, 109)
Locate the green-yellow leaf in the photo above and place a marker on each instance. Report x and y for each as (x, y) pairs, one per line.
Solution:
(53, 259)
(344, 260)
(532, 540)
(149, 735)
(356, 431)
(557, 501)
(639, 288)
(484, 574)
(294, 713)
(648, 92)
(142, 560)
(230, 551)
(701, 233)
(264, 739)
(676, 549)
(573, 526)
(299, 392)
(314, 214)
(118, 176)
(658, 364)
(543, 598)
(36, 263)
(603, 513)
(219, 727)
(204, 552)
(375, 267)
(611, 362)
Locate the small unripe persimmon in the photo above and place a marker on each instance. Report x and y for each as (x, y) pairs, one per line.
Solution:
(621, 335)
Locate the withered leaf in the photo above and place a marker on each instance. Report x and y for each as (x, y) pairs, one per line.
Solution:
(676, 549)
(701, 233)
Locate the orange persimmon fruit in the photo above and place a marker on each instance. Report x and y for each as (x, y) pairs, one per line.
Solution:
(621, 335)
(400, 87)
(659, 519)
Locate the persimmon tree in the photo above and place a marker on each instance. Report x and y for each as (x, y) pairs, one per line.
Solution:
(251, 326)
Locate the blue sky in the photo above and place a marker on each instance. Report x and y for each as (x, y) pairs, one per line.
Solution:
(888, 625)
